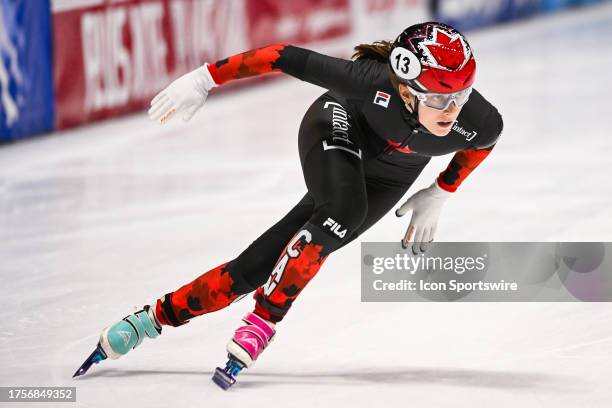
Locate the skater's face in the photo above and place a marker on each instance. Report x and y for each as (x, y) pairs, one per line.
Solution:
(438, 122)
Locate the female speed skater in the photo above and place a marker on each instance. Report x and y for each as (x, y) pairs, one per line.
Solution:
(361, 144)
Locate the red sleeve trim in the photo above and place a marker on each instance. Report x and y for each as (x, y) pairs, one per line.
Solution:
(444, 186)
(250, 63)
(462, 164)
(214, 73)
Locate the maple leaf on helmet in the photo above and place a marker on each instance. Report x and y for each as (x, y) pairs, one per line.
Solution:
(433, 58)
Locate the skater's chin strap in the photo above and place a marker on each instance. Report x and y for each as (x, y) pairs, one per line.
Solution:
(414, 115)
(413, 121)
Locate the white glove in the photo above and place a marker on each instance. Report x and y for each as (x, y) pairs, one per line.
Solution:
(426, 206)
(185, 95)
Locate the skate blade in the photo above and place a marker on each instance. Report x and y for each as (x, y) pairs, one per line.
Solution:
(222, 379)
(94, 358)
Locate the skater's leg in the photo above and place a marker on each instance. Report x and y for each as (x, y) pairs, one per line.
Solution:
(212, 291)
(222, 285)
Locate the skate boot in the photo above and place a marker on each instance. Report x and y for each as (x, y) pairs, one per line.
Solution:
(243, 349)
(129, 332)
(123, 336)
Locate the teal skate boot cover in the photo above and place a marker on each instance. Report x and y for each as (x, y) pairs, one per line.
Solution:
(129, 332)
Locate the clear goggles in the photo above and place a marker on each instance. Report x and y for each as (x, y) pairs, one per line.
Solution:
(441, 101)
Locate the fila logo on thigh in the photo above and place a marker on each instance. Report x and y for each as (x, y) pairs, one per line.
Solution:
(292, 252)
(334, 227)
(340, 128)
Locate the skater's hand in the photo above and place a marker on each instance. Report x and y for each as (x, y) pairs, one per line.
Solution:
(183, 96)
(426, 206)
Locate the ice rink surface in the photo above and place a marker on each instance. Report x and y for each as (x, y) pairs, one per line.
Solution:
(96, 220)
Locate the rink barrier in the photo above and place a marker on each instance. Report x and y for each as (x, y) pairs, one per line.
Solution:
(471, 14)
(26, 85)
(101, 58)
(121, 54)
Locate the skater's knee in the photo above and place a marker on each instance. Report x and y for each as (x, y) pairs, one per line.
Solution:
(249, 272)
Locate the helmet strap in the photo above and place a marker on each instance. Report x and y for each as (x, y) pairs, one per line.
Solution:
(413, 119)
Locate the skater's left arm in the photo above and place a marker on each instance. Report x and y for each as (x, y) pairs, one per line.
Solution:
(465, 161)
(426, 205)
(460, 166)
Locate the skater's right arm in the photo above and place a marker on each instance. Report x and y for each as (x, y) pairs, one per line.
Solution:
(187, 94)
(349, 78)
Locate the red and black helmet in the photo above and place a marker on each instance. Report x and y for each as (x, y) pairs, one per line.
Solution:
(433, 57)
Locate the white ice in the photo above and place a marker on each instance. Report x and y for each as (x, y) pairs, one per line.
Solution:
(98, 219)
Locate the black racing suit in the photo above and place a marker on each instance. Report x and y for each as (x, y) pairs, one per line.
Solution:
(360, 150)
